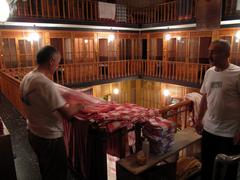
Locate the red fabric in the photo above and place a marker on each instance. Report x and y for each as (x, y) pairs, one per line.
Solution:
(112, 115)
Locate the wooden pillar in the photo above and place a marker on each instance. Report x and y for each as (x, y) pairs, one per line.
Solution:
(215, 35)
(148, 46)
(187, 47)
(165, 43)
(73, 47)
(138, 93)
(46, 38)
(95, 47)
(117, 46)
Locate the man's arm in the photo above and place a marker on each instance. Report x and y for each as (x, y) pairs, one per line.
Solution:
(68, 111)
(202, 110)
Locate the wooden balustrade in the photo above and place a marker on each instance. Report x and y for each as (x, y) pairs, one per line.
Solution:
(230, 8)
(10, 88)
(74, 74)
(180, 113)
(177, 71)
(87, 10)
(70, 74)
(58, 9)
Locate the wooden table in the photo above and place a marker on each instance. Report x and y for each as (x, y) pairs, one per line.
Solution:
(128, 168)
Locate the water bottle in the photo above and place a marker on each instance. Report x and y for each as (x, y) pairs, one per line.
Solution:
(145, 147)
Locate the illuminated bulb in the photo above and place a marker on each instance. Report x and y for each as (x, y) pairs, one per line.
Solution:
(166, 92)
(111, 38)
(179, 38)
(237, 35)
(115, 91)
(167, 37)
(85, 41)
(4, 13)
(33, 36)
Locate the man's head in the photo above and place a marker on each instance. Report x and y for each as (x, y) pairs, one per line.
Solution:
(48, 58)
(219, 52)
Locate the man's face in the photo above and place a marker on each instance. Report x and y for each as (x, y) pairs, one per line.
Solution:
(54, 62)
(217, 55)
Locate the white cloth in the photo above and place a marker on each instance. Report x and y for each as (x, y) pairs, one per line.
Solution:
(41, 99)
(222, 117)
(106, 10)
(238, 5)
(196, 99)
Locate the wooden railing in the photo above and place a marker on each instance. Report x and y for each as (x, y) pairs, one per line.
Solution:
(58, 9)
(87, 10)
(74, 74)
(10, 88)
(182, 113)
(178, 71)
(230, 8)
(164, 12)
(70, 74)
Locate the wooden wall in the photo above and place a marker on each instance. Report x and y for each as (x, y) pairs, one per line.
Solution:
(77, 46)
(141, 92)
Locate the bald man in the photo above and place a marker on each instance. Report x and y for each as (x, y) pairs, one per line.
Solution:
(219, 117)
(45, 109)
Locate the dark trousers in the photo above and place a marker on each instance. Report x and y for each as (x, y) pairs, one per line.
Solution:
(51, 154)
(213, 145)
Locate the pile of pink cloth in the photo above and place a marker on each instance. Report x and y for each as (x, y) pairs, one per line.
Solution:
(160, 133)
(109, 114)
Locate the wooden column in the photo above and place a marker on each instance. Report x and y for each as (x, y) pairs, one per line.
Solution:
(165, 43)
(148, 46)
(215, 35)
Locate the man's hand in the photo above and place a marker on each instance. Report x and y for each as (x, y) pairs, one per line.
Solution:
(237, 138)
(199, 127)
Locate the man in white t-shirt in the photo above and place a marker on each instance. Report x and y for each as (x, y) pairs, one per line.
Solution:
(219, 116)
(45, 109)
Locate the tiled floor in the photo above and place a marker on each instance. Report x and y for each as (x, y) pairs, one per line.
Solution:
(25, 160)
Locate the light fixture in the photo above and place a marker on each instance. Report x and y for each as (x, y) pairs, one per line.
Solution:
(5, 10)
(237, 35)
(166, 92)
(116, 91)
(168, 37)
(33, 36)
(85, 41)
(111, 38)
(179, 38)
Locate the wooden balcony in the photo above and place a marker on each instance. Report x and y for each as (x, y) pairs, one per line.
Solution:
(95, 72)
(230, 9)
(87, 11)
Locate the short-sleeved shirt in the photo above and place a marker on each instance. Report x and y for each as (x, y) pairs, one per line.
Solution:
(222, 117)
(41, 100)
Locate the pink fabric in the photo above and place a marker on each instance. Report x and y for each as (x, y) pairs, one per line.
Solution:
(112, 115)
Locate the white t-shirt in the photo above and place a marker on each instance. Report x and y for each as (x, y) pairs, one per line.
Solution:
(222, 117)
(41, 98)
